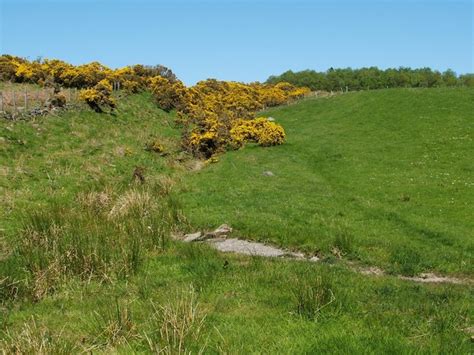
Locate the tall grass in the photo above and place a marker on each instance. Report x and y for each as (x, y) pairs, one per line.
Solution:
(34, 339)
(176, 327)
(312, 296)
(102, 237)
(114, 327)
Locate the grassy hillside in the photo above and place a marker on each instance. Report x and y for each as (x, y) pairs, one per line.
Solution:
(384, 176)
(51, 159)
(86, 262)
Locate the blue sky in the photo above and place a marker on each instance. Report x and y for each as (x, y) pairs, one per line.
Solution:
(242, 40)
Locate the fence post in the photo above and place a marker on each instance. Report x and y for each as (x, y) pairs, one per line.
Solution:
(14, 101)
(26, 99)
(1, 101)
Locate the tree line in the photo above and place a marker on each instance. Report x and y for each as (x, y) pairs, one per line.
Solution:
(372, 78)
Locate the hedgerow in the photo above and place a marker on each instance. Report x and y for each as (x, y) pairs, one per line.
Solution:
(215, 115)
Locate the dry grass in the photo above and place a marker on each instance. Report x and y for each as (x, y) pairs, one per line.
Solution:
(132, 201)
(114, 328)
(96, 201)
(176, 325)
(33, 339)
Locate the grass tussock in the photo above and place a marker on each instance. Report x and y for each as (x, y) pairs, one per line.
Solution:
(313, 296)
(114, 327)
(35, 339)
(105, 238)
(176, 327)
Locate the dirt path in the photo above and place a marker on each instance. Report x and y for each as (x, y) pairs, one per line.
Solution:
(219, 240)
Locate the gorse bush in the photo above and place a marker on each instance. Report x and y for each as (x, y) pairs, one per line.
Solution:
(99, 97)
(168, 95)
(259, 130)
(208, 111)
(130, 78)
(212, 109)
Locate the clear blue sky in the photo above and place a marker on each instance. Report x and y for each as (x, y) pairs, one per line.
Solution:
(243, 40)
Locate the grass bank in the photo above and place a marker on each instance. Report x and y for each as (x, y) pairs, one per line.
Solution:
(86, 262)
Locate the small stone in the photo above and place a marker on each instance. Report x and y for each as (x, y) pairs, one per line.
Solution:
(268, 173)
(271, 119)
(222, 230)
(193, 237)
(314, 259)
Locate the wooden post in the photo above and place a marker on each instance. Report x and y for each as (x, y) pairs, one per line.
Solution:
(1, 101)
(26, 99)
(14, 101)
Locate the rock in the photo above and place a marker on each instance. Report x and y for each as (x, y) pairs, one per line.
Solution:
(271, 119)
(193, 237)
(222, 230)
(268, 173)
(314, 259)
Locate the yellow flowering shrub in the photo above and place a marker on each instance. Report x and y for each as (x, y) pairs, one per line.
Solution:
(130, 86)
(24, 72)
(270, 133)
(168, 95)
(8, 67)
(259, 130)
(214, 114)
(156, 146)
(220, 114)
(99, 97)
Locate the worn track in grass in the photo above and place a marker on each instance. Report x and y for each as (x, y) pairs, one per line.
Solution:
(222, 243)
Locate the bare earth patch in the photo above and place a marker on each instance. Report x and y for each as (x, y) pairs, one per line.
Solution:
(239, 246)
(219, 240)
(433, 278)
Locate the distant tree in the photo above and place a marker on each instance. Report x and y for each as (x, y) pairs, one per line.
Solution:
(467, 80)
(370, 78)
(449, 78)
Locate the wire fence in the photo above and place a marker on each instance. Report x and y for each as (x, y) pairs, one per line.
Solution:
(18, 99)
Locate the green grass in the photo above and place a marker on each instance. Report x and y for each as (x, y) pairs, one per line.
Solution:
(255, 306)
(386, 176)
(52, 159)
(86, 262)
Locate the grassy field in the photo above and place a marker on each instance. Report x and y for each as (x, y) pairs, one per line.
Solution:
(385, 176)
(86, 262)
